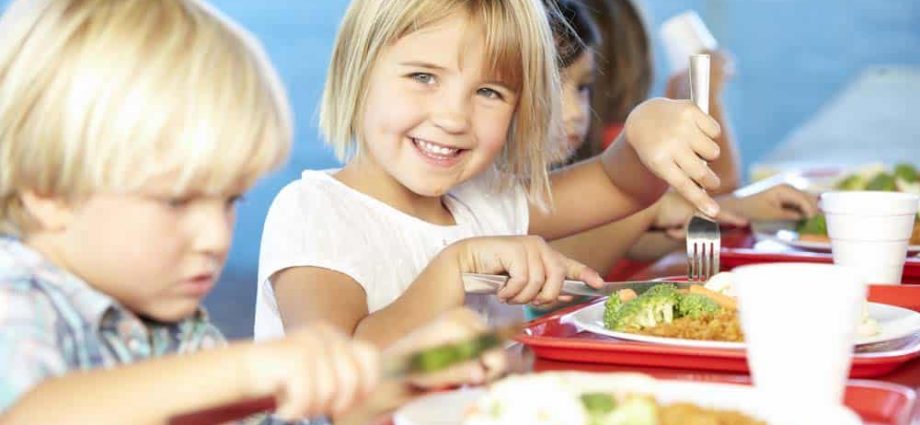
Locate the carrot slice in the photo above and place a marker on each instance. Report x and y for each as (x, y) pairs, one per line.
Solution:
(626, 294)
(723, 300)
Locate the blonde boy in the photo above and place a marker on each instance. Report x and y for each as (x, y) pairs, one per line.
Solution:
(128, 129)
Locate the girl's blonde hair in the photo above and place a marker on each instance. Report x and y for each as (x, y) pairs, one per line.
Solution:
(520, 49)
(102, 95)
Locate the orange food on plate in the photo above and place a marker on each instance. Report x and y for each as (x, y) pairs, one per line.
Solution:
(723, 326)
(691, 414)
(811, 237)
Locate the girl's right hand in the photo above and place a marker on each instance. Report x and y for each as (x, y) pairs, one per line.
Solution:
(536, 270)
(314, 371)
(674, 140)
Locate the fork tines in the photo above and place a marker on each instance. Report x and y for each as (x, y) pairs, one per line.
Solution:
(703, 247)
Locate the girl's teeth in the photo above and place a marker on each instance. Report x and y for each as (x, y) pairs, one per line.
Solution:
(435, 149)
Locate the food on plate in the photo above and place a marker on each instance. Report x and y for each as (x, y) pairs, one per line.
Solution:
(591, 399)
(901, 178)
(707, 312)
(665, 311)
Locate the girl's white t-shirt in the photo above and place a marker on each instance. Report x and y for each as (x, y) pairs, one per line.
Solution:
(317, 221)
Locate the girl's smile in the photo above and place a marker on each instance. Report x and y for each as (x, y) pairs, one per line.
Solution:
(438, 155)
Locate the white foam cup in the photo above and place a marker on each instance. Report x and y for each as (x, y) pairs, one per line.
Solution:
(799, 321)
(870, 231)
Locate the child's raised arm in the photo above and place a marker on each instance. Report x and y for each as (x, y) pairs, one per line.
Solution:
(666, 142)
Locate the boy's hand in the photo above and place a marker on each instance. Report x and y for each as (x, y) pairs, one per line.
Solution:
(456, 325)
(535, 269)
(674, 140)
(314, 371)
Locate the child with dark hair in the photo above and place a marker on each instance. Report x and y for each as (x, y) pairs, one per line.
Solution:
(655, 231)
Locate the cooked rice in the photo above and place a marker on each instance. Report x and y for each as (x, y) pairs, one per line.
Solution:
(723, 326)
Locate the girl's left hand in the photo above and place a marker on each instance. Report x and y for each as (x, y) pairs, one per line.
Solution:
(674, 140)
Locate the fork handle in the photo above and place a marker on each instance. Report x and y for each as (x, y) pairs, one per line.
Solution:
(699, 81)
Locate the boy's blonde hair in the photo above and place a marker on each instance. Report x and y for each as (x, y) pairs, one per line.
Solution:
(520, 49)
(102, 95)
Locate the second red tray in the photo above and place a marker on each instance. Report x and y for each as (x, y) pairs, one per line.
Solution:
(549, 338)
(734, 257)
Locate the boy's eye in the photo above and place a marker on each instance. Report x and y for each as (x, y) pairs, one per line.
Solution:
(490, 93)
(235, 200)
(422, 77)
(178, 202)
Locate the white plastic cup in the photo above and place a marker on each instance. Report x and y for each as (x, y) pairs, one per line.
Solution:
(799, 322)
(684, 35)
(870, 231)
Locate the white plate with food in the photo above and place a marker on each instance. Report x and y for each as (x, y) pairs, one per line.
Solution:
(582, 398)
(787, 233)
(893, 323)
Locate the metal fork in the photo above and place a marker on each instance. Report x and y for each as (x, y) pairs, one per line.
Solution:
(703, 238)
(703, 247)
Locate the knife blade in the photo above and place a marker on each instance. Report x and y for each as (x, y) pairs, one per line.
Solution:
(478, 283)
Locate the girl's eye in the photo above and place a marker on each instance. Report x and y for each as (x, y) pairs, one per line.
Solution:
(422, 77)
(490, 93)
(585, 87)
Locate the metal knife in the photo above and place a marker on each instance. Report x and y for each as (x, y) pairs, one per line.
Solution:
(477, 283)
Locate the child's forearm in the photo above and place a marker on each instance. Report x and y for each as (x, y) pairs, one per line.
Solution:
(428, 296)
(148, 392)
(602, 247)
(630, 175)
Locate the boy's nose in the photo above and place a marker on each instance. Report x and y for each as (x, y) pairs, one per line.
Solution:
(213, 231)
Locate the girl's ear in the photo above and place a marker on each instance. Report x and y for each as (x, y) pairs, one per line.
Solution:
(51, 213)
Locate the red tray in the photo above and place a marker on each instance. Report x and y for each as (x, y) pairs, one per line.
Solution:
(734, 257)
(551, 339)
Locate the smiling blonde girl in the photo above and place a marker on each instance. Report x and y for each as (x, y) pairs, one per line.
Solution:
(446, 114)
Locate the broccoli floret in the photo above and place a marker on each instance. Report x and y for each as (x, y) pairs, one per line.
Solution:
(611, 306)
(852, 182)
(882, 181)
(906, 172)
(696, 305)
(654, 306)
(598, 405)
(662, 299)
(816, 225)
(665, 289)
(637, 410)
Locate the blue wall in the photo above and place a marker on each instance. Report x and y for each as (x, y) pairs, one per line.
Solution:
(791, 55)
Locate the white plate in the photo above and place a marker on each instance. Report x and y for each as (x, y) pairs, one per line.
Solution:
(894, 323)
(450, 408)
(784, 233)
(447, 408)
